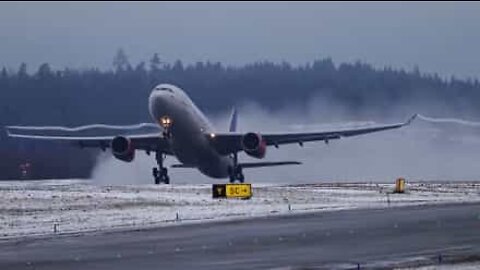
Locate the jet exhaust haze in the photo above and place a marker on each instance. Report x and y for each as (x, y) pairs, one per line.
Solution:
(424, 150)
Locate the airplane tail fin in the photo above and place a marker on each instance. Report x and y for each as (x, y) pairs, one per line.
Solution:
(233, 120)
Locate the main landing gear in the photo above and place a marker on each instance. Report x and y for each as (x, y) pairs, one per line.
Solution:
(235, 172)
(160, 174)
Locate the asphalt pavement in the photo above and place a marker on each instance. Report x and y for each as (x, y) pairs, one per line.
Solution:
(368, 238)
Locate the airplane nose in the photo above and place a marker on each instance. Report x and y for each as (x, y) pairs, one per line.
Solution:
(159, 104)
(156, 99)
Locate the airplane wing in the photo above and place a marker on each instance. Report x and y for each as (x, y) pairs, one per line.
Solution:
(228, 143)
(148, 142)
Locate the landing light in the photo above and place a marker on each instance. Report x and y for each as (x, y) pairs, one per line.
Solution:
(166, 121)
(212, 135)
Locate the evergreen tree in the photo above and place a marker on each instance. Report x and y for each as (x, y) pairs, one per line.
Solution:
(22, 71)
(4, 75)
(178, 66)
(44, 71)
(155, 63)
(140, 68)
(120, 61)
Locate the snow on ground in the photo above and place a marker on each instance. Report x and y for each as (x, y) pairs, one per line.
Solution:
(30, 208)
(461, 266)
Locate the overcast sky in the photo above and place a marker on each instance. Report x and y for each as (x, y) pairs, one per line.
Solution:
(438, 37)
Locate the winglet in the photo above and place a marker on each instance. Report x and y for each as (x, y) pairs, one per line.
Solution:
(233, 120)
(410, 120)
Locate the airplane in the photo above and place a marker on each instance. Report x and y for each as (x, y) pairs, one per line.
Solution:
(189, 136)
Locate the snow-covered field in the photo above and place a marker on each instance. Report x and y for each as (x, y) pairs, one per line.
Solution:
(30, 208)
(463, 266)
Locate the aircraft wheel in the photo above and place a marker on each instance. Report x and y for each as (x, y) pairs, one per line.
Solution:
(231, 175)
(156, 175)
(237, 175)
(166, 180)
(241, 178)
(164, 176)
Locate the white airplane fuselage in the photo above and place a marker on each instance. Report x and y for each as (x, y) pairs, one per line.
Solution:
(187, 131)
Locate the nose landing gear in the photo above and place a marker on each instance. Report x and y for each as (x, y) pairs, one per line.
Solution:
(160, 174)
(166, 122)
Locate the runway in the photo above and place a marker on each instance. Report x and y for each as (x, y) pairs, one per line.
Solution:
(372, 238)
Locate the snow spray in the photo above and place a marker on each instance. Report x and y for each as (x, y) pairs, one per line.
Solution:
(449, 121)
(87, 127)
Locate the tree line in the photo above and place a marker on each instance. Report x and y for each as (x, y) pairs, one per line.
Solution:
(72, 97)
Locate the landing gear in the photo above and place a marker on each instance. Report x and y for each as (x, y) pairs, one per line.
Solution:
(160, 174)
(235, 172)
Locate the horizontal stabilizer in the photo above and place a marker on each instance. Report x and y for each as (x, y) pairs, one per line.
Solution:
(268, 164)
(182, 166)
(249, 164)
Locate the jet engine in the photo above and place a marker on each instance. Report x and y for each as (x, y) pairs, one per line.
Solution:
(122, 148)
(254, 145)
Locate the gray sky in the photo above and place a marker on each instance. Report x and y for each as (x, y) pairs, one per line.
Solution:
(438, 37)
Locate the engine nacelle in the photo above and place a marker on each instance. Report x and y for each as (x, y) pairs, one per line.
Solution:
(254, 145)
(122, 148)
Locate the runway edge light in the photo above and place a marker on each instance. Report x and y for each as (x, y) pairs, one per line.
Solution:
(232, 191)
(399, 185)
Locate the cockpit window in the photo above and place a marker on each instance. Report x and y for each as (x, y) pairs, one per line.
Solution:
(164, 89)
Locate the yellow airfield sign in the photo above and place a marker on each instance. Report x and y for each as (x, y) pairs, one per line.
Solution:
(239, 191)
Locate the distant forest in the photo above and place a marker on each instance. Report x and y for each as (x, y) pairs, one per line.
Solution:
(72, 97)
